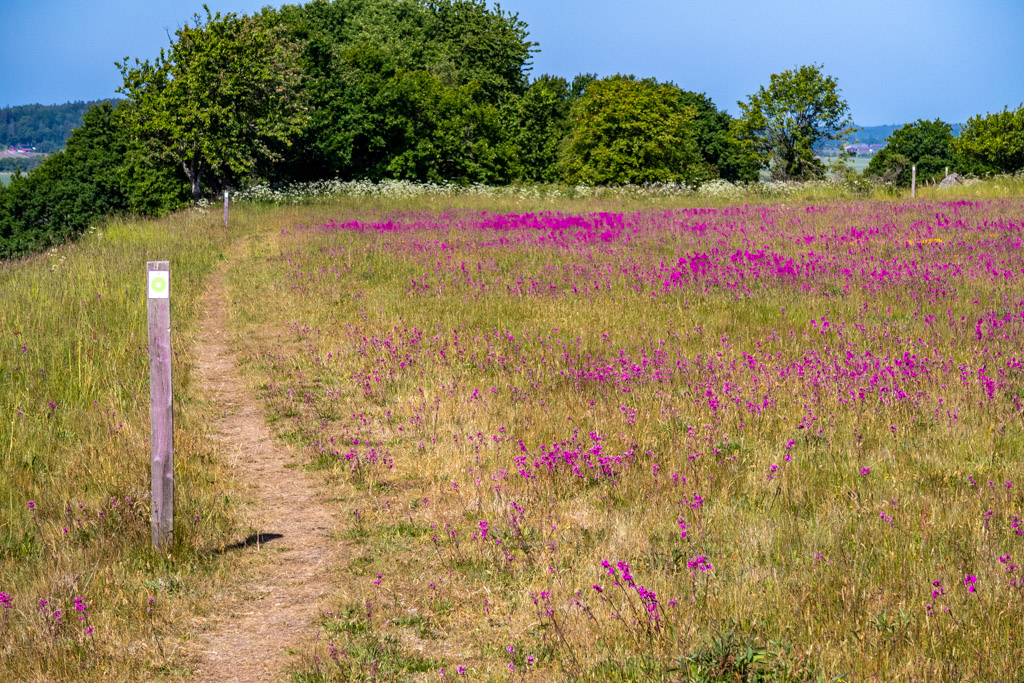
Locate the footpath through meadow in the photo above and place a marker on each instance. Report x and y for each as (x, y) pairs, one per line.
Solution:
(268, 614)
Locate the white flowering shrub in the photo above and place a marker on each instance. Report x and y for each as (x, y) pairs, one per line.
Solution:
(770, 190)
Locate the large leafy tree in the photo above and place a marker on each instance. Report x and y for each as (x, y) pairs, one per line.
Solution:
(925, 144)
(629, 130)
(481, 45)
(366, 121)
(445, 133)
(993, 143)
(783, 123)
(217, 101)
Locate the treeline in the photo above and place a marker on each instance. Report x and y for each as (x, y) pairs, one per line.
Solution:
(423, 90)
(21, 163)
(987, 145)
(45, 127)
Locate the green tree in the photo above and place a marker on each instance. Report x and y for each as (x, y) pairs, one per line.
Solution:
(477, 44)
(539, 123)
(218, 100)
(716, 140)
(152, 186)
(445, 133)
(782, 124)
(579, 84)
(626, 130)
(45, 127)
(993, 143)
(925, 144)
(360, 56)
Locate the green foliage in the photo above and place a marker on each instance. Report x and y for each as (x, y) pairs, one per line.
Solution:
(215, 102)
(627, 130)
(365, 62)
(59, 199)
(782, 124)
(716, 139)
(479, 45)
(924, 143)
(994, 143)
(445, 133)
(45, 127)
(153, 188)
(539, 123)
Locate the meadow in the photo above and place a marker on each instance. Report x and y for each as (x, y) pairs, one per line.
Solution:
(600, 437)
(624, 445)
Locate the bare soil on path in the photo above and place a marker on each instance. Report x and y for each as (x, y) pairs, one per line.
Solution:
(271, 610)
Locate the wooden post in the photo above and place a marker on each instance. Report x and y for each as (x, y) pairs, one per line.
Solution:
(225, 208)
(913, 181)
(161, 411)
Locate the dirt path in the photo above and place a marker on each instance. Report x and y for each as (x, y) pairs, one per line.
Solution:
(273, 608)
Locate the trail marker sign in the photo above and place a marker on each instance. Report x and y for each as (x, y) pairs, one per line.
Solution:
(161, 413)
(159, 284)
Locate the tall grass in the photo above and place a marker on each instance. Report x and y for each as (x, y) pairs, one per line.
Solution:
(75, 457)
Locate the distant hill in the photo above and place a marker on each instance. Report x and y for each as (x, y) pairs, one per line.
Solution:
(44, 127)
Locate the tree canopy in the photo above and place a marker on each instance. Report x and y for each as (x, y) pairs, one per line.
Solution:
(994, 143)
(396, 89)
(782, 124)
(630, 130)
(45, 127)
(227, 89)
(538, 122)
(715, 136)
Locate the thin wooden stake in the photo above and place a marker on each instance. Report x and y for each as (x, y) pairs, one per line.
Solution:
(225, 208)
(161, 410)
(913, 181)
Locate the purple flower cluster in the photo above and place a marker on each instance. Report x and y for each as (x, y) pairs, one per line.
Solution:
(699, 563)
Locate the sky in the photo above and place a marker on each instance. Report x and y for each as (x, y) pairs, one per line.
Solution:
(895, 60)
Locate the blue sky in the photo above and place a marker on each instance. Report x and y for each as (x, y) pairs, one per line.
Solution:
(896, 60)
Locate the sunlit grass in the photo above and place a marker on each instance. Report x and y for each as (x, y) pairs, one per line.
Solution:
(75, 457)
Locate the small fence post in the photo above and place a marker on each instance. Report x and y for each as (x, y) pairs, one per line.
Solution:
(161, 413)
(225, 208)
(913, 181)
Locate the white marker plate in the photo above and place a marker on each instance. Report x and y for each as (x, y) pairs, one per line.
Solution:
(159, 284)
